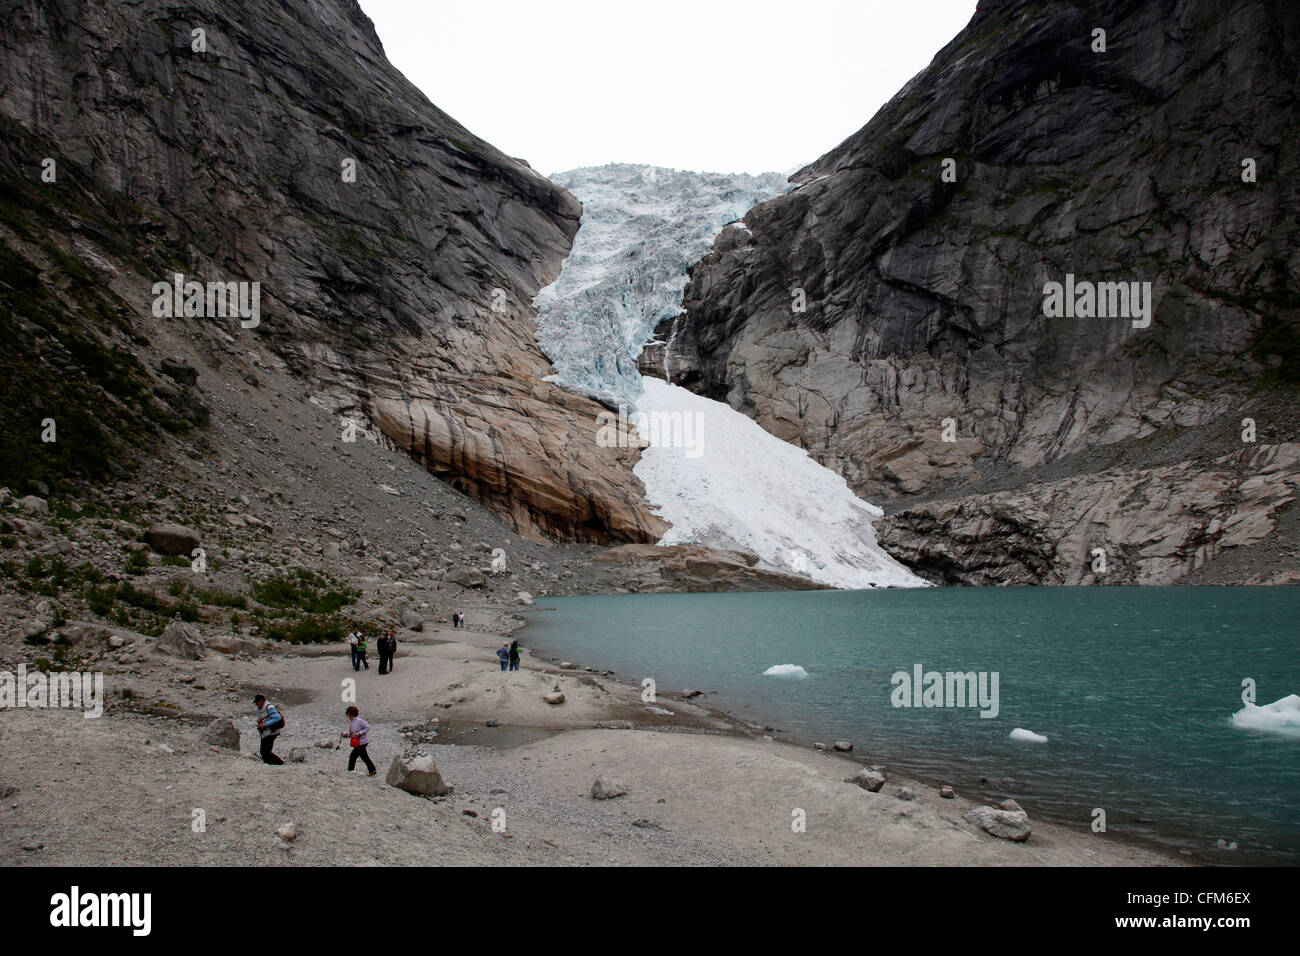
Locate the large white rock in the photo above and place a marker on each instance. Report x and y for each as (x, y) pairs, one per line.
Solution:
(1007, 824)
(418, 775)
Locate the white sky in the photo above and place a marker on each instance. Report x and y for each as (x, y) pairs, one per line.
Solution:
(713, 85)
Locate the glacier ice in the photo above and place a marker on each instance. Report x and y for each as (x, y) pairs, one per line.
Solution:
(735, 486)
(642, 226)
(785, 670)
(1282, 716)
(1027, 736)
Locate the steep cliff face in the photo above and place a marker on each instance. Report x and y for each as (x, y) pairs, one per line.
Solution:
(397, 253)
(889, 313)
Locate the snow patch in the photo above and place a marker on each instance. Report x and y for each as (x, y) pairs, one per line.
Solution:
(743, 489)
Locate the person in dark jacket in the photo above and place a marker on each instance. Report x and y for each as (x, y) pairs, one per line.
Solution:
(269, 725)
(514, 655)
(392, 649)
(383, 652)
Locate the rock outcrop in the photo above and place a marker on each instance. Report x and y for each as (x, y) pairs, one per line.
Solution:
(395, 253)
(888, 314)
(688, 567)
(1149, 526)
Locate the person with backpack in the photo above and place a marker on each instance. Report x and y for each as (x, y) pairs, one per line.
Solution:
(514, 655)
(358, 733)
(269, 724)
(503, 654)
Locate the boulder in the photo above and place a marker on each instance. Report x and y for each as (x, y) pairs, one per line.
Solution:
(182, 640)
(412, 621)
(228, 644)
(288, 832)
(905, 793)
(418, 775)
(1006, 824)
(606, 789)
(554, 697)
(947, 793)
(297, 755)
(179, 371)
(33, 504)
(466, 577)
(172, 539)
(222, 732)
(868, 780)
(1009, 805)
(844, 746)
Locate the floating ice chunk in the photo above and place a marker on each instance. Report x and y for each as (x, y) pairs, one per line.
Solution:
(785, 670)
(1282, 716)
(1027, 736)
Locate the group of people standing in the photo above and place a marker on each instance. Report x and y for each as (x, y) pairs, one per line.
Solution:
(270, 722)
(457, 619)
(508, 655)
(359, 644)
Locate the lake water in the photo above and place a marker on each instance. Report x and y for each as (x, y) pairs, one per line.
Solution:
(1133, 687)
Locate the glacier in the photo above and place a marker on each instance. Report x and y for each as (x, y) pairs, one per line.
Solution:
(734, 485)
(641, 227)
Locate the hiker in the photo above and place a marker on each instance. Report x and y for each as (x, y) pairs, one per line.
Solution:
(392, 650)
(383, 652)
(514, 655)
(361, 651)
(353, 639)
(358, 733)
(269, 725)
(503, 654)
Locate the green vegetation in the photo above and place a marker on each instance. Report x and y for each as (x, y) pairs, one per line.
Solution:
(310, 630)
(305, 591)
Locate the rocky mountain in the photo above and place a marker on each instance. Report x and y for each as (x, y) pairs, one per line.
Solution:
(395, 255)
(895, 314)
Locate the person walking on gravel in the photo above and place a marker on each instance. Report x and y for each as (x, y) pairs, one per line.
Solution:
(514, 655)
(358, 734)
(353, 640)
(503, 654)
(361, 652)
(269, 725)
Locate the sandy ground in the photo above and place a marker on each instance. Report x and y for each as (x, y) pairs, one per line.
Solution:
(126, 788)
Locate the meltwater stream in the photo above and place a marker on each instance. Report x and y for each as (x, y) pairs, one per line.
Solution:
(1134, 689)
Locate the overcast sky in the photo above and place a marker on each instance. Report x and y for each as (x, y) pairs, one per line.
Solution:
(713, 85)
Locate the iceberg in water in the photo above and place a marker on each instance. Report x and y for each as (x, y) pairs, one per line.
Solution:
(1027, 736)
(785, 670)
(1282, 716)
